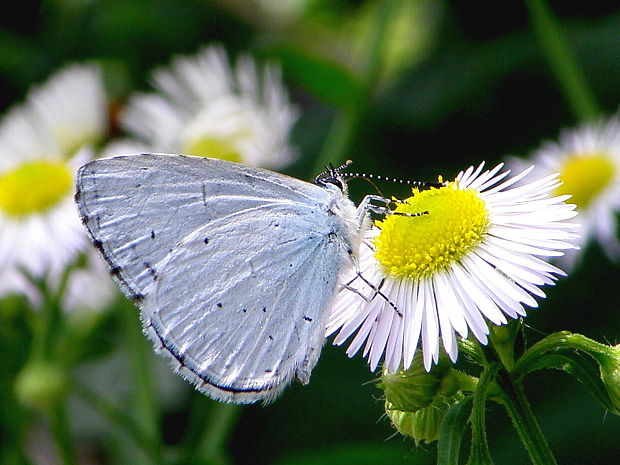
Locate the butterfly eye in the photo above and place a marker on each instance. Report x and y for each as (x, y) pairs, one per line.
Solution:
(335, 181)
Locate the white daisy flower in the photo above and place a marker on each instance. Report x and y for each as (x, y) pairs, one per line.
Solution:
(123, 146)
(588, 160)
(40, 230)
(474, 257)
(90, 288)
(57, 119)
(205, 107)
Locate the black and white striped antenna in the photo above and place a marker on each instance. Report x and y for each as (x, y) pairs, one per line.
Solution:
(334, 175)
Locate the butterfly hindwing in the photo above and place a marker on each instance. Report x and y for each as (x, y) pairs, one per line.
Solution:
(242, 321)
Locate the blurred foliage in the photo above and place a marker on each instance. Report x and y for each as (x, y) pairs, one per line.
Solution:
(475, 87)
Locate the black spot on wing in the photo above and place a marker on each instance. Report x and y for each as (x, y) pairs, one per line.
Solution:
(151, 270)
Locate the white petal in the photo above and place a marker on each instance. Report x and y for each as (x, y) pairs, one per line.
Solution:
(430, 329)
(379, 340)
(413, 323)
(492, 278)
(447, 302)
(488, 178)
(486, 305)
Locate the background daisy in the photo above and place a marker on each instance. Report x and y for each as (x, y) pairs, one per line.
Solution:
(473, 258)
(42, 143)
(588, 160)
(205, 107)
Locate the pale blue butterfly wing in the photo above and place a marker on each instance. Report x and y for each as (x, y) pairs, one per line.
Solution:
(233, 267)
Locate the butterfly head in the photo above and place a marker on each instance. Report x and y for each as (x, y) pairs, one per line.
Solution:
(333, 177)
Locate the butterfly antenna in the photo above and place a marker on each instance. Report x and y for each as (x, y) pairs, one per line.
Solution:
(371, 177)
(344, 166)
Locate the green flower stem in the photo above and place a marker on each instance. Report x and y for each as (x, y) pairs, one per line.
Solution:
(562, 61)
(51, 320)
(116, 416)
(518, 408)
(503, 342)
(480, 454)
(144, 401)
(49, 329)
(59, 422)
(211, 447)
(346, 123)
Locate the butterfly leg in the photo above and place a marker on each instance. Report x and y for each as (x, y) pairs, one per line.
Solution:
(375, 289)
(366, 206)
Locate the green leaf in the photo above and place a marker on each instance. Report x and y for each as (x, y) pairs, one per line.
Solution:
(325, 79)
(452, 432)
(585, 370)
(579, 356)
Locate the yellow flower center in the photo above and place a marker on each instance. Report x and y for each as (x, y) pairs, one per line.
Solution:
(416, 247)
(585, 177)
(34, 187)
(213, 147)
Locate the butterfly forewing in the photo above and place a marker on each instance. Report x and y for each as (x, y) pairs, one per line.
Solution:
(137, 208)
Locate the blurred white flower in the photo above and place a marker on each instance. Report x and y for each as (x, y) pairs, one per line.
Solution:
(89, 288)
(588, 160)
(205, 107)
(42, 143)
(474, 256)
(123, 146)
(58, 118)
